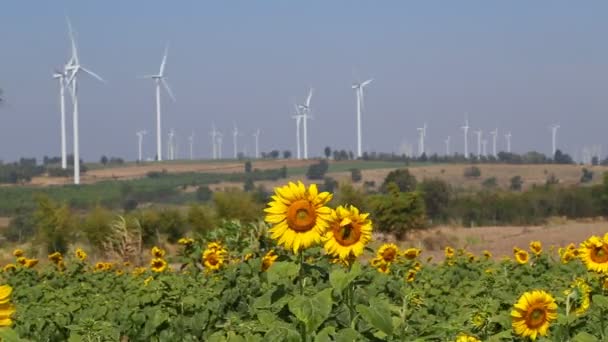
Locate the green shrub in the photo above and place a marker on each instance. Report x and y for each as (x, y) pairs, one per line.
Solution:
(404, 180)
(236, 204)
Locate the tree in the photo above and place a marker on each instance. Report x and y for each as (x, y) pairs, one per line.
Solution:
(472, 172)
(490, 183)
(200, 219)
(249, 185)
(248, 166)
(587, 176)
(103, 160)
(562, 158)
(516, 183)
(436, 193)
(327, 152)
(236, 204)
(329, 184)
(355, 175)
(96, 225)
(204, 193)
(404, 180)
(54, 224)
(398, 212)
(286, 154)
(318, 170)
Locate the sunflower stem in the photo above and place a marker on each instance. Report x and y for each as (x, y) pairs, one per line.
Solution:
(301, 285)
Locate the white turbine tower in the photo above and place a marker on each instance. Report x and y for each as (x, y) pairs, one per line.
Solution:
(213, 135)
(256, 137)
(484, 143)
(235, 134)
(158, 79)
(171, 145)
(220, 139)
(420, 140)
(554, 129)
(61, 77)
(191, 141)
(478, 132)
(508, 137)
(140, 140)
(447, 146)
(494, 134)
(305, 110)
(465, 128)
(73, 68)
(360, 103)
(298, 117)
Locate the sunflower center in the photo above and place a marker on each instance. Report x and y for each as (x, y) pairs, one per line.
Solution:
(536, 317)
(599, 254)
(213, 259)
(389, 254)
(301, 216)
(348, 234)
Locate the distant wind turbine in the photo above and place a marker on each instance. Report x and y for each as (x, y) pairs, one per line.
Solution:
(478, 132)
(554, 129)
(213, 134)
(508, 137)
(360, 103)
(158, 79)
(447, 146)
(465, 128)
(220, 139)
(494, 134)
(256, 137)
(140, 139)
(484, 143)
(298, 117)
(420, 140)
(235, 134)
(171, 145)
(61, 77)
(191, 141)
(73, 68)
(305, 110)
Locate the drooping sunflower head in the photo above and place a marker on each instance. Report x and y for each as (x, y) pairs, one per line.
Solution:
(463, 337)
(388, 252)
(7, 309)
(449, 252)
(5, 293)
(268, 260)
(470, 257)
(30, 263)
(138, 271)
(22, 261)
(18, 253)
(578, 296)
(100, 266)
(594, 253)
(349, 231)
(522, 257)
(417, 266)
(9, 268)
(536, 247)
(412, 253)
(566, 257)
(80, 254)
(487, 254)
(157, 252)
(119, 272)
(214, 259)
(411, 275)
(299, 216)
(533, 313)
(158, 265)
(55, 257)
(186, 242)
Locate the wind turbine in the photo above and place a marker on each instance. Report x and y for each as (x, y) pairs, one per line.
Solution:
(213, 134)
(508, 137)
(359, 92)
(220, 139)
(420, 140)
(447, 146)
(484, 143)
(158, 79)
(140, 139)
(554, 129)
(74, 68)
(494, 134)
(235, 134)
(170, 145)
(298, 117)
(465, 128)
(61, 76)
(256, 136)
(478, 132)
(191, 141)
(305, 110)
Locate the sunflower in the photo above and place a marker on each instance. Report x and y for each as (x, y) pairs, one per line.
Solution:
(412, 253)
(536, 247)
(186, 241)
(9, 268)
(55, 257)
(157, 252)
(138, 271)
(22, 261)
(594, 253)
(487, 254)
(411, 276)
(349, 232)
(522, 257)
(18, 253)
(449, 252)
(29, 263)
(462, 337)
(533, 313)
(268, 260)
(6, 307)
(158, 265)
(579, 296)
(572, 248)
(566, 257)
(471, 256)
(383, 268)
(215, 246)
(298, 215)
(604, 282)
(248, 256)
(388, 252)
(80, 254)
(214, 259)
(119, 272)
(148, 280)
(417, 266)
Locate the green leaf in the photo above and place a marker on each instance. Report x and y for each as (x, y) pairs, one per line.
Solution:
(500, 336)
(584, 337)
(600, 301)
(312, 311)
(9, 335)
(282, 333)
(378, 315)
(281, 271)
(347, 335)
(341, 278)
(325, 334)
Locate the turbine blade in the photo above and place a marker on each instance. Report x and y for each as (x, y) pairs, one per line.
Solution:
(168, 89)
(74, 58)
(162, 64)
(309, 97)
(366, 82)
(93, 74)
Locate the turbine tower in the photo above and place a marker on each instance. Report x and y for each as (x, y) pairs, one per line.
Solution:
(298, 117)
(213, 135)
(359, 92)
(305, 110)
(484, 143)
(256, 136)
(73, 68)
(140, 139)
(220, 139)
(478, 132)
(170, 145)
(158, 80)
(61, 77)
(508, 137)
(191, 141)
(235, 134)
(447, 146)
(494, 134)
(420, 140)
(465, 128)
(554, 129)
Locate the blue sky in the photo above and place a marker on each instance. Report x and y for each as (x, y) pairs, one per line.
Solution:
(515, 65)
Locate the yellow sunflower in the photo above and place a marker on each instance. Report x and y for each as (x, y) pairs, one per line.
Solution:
(388, 252)
(158, 265)
(215, 246)
(298, 215)
(29, 263)
(138, 271)
(579, 296)
(449, 252)
(22, 261)
(268, 260)
(594, 253)
(533, 313)
(411, 276)
(417, 266)
(567, 256)
(55, 257)
(100, 266)
(80, 254)
(119, 272)
(148, 280)
(412, 253)
(604, 282)
(7, 309)
(462, 337)
(383, 268)
(349, 231)
(18, 253)
(487, 254)
(470, 256)
(248, 256)
(213, 259)
(9, 268)
(185, 241)
(157, 252)
(536, 247)
(521, 256)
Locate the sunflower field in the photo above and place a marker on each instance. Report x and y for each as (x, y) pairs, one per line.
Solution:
(308, 274)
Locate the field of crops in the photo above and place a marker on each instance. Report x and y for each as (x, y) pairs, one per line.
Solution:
(307, 274)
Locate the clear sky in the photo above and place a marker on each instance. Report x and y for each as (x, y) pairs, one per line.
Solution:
(516, 65)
